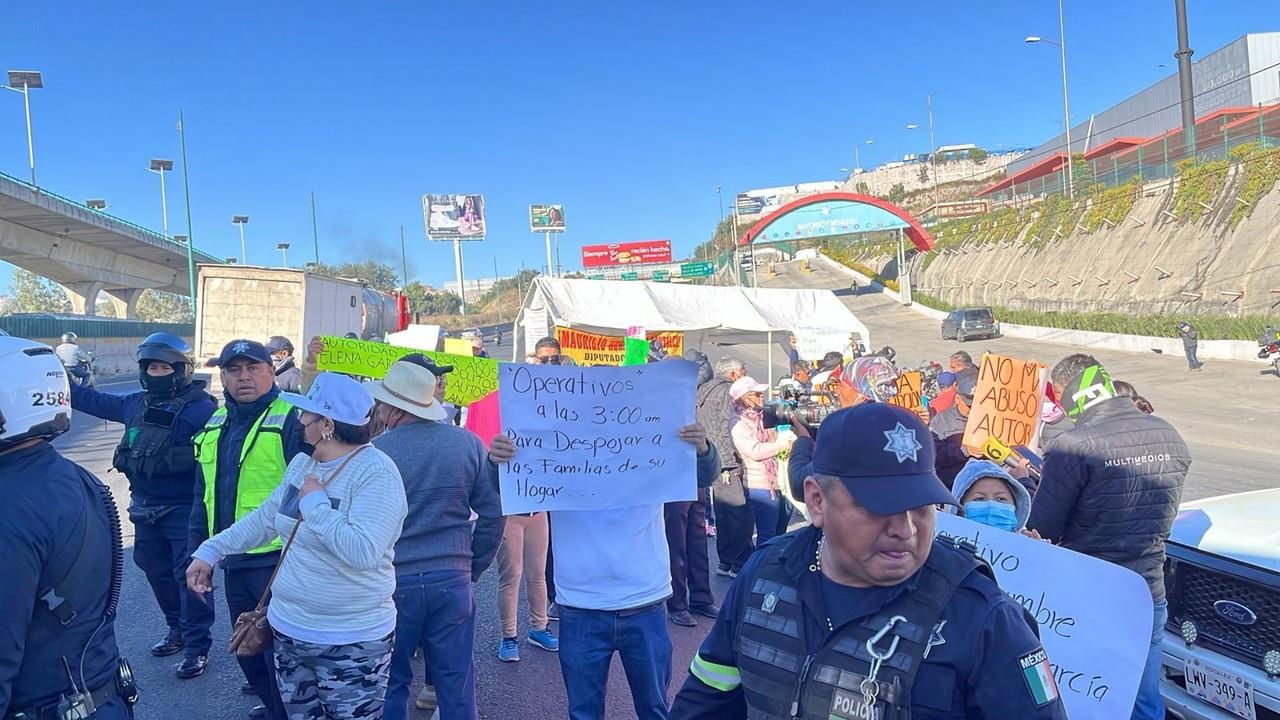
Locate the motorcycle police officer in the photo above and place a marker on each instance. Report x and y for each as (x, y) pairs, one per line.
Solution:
(62, 559)
(863, 614)
(243, 451)
(156, 454)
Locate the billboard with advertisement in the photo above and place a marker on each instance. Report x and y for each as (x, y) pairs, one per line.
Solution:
(646, 251)
(546, 218)
(454, 217)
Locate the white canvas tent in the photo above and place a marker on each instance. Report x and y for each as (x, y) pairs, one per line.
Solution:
(706, 314)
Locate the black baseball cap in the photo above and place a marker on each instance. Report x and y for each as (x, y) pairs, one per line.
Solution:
(249, 349)
(423, 361)
(966, 384)
(884, 456)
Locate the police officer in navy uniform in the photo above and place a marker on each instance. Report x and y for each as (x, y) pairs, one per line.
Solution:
(156, 454)
(61, 560)
(863, 614)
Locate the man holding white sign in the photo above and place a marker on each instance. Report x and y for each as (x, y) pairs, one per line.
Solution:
(863, 614)
(603, 449)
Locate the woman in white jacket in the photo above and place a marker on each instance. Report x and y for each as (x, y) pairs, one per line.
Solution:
(331, 606)
(759, 448)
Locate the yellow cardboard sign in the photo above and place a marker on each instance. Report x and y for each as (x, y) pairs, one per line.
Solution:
(458, 346)
(910, 395)
(1006, 403)
(587, 348)
(472, 377)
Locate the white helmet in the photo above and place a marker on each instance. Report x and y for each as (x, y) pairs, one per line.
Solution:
(35, 399)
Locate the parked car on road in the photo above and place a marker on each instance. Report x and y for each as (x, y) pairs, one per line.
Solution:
(1222, 642)
(967, 323)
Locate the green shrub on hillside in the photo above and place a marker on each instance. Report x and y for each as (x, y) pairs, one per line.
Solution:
(1261, 168)
(1198, 182)
(1111, 205)
(1058, 217)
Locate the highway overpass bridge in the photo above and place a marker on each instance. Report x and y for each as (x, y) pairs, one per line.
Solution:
(87, 251)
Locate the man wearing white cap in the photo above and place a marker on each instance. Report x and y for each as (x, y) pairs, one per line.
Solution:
(446, 476)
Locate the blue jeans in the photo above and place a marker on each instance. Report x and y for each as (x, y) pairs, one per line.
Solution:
(588, 639)
(766, 508)
(1192, 361)
(1149, 705)
(437, 611)
(160, 551)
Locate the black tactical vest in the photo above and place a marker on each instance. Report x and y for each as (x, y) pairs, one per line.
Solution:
(149, 446)
(780, 681)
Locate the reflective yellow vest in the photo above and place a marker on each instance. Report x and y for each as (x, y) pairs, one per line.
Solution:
(261, 462)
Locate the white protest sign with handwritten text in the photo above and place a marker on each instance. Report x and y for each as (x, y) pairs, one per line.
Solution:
(813, 343)
(595, 438)
(1095, 617)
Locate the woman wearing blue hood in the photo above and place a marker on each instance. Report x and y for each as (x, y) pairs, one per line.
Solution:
(989, 495)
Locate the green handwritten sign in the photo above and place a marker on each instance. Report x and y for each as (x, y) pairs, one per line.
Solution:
(472, 377)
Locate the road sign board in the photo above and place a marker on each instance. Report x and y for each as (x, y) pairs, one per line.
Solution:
(696, 269)
(595, 277)
(630, 276)
(662, 276)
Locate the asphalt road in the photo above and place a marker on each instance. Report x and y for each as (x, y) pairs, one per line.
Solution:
(1225, 412)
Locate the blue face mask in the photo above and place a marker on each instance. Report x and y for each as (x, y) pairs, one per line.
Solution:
(993, 513)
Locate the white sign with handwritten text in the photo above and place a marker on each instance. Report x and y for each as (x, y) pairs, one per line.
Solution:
(595, 438)
(1095, 618)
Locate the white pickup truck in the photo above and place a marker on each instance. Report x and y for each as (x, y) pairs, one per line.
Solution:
(1222, 642)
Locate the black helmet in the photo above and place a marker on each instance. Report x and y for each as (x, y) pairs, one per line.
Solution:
(276, 343)
(351, 336)
(168, 348)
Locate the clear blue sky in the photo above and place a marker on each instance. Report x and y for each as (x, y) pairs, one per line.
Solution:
(628, 114)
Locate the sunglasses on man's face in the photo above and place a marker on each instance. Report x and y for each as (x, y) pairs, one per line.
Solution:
(549, 359)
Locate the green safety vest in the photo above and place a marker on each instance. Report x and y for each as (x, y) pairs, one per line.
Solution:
(261, 462)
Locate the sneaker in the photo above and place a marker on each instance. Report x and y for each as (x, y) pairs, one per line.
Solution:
(553, 612)
(171, 645)
(509, 650)
(682, 618)
(426, 698)
(710, 610)
(724, 571)
(545, 640)
(192, 667)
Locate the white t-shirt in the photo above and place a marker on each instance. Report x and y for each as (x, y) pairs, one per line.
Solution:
(611, 559)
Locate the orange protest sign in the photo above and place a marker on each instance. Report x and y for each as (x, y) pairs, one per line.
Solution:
(910, 395)
(1006, 404)
(587, 348)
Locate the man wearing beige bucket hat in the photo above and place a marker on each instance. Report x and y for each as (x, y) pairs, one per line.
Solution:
(446, 475)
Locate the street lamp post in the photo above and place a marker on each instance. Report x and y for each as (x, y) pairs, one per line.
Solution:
(933, 148)
(24, 81)
(240, 221)
(284, 253)
(857, 159)
(96, 204)
(160, 167)
(1066, 105)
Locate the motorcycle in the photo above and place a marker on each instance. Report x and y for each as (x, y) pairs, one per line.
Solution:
(82, 373)
(1268, 346)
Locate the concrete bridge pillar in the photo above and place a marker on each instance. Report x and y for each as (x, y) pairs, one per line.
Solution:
(83, 296)
(125, 301)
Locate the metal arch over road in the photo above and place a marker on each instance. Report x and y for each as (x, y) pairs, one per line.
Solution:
(87, 251)
(836, 213)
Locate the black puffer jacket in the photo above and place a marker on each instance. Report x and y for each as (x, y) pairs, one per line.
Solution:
(1111, 488)
(715, 413)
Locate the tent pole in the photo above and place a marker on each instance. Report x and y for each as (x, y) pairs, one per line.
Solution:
(770, 353)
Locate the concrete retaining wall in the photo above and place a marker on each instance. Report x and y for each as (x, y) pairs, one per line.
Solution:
(115, 356)
(1083, 339)
(1173, 268)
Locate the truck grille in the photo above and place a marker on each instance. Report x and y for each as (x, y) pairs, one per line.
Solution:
(1196, 591)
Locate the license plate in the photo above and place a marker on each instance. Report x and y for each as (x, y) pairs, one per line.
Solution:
(1219, 687)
